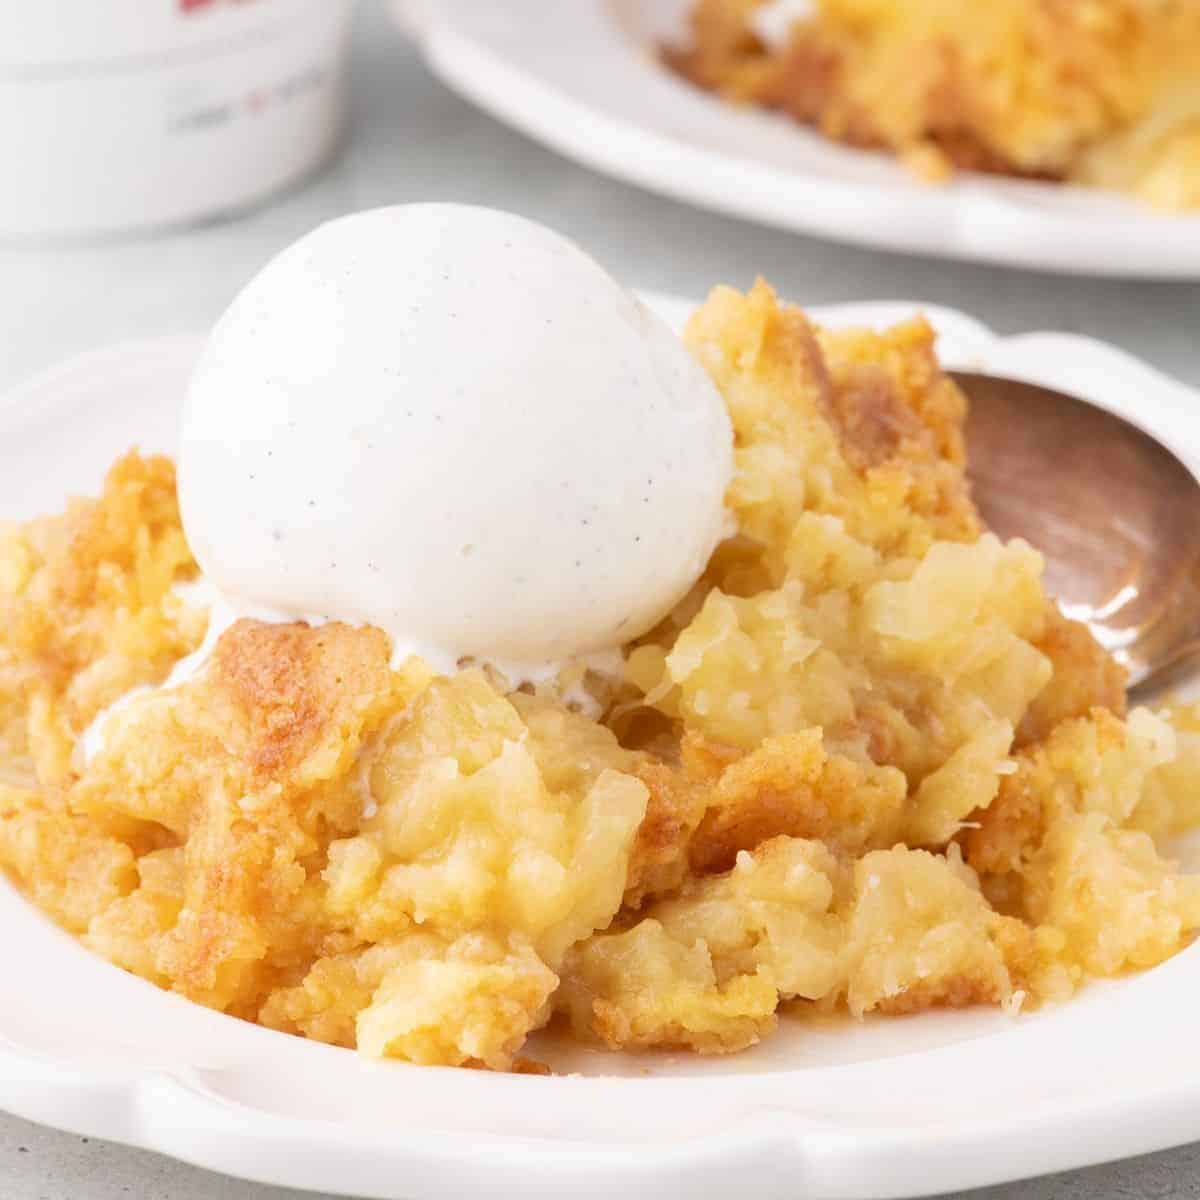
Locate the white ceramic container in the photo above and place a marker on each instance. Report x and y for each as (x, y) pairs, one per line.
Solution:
(122, 115)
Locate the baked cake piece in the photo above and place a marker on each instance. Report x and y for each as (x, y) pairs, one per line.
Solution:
(1103, 92)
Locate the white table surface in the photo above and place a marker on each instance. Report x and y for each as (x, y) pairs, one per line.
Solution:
(412, 140)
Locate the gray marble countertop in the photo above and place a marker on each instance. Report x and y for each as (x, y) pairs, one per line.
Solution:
(413, 140)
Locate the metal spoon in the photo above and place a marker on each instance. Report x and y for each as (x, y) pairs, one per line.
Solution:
(1115, 513)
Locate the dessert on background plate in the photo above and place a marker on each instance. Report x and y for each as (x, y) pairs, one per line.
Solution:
(1105, 92)
(838, 752)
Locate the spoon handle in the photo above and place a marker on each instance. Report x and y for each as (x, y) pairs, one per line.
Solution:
(1181, 668)
(1171, 644)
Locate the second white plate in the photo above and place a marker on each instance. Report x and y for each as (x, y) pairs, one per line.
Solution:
(580, 76)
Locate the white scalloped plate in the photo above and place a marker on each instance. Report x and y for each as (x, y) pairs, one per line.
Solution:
(839, 1111)
(578, 76)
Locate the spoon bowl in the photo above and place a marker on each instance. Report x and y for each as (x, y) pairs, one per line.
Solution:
(1114, 512)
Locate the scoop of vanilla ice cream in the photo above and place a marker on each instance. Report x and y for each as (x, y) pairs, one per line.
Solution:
(452, 423)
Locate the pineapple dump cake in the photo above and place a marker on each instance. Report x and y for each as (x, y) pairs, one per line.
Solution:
(1102, 92)
(863, 765)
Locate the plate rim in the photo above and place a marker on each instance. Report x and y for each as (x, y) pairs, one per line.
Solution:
(178, 1109)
